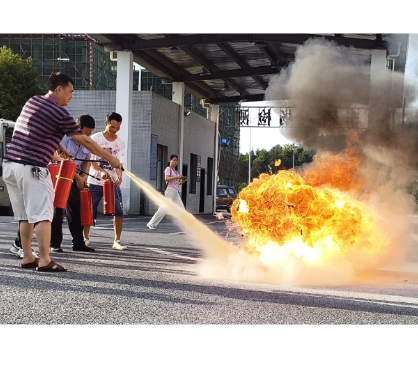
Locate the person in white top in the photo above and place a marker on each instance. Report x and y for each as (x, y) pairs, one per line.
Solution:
(110, 142)
(173, 180)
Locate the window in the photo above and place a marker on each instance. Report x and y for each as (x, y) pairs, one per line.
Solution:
(193, 173)
(232, 192)
(161, 161)
(209, 183)
(221, 192)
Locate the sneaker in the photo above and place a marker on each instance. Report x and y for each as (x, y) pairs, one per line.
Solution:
(86, 242)
(117, 246)
(152, 227)
(15, 248)
(59, 250)
(20, 253)
(83, 249)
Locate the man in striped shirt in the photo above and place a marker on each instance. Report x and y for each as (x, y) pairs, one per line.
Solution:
(38, 132)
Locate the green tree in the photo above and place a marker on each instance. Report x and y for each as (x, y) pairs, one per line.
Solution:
(18, 83)
(263, 161)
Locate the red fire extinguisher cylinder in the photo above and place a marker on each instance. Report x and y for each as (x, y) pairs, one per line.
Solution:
(108, 197)
(64, 182)
(86, 207)
(54, 169)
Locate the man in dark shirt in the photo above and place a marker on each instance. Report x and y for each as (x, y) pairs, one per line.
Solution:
(87, 124)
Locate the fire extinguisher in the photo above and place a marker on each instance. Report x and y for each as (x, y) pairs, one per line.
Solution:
(108, 197)
(53, 169)
(64, 182)
(86, 207)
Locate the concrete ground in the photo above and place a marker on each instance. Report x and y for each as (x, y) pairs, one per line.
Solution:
(155, 281)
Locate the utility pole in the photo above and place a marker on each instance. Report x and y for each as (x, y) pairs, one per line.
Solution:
(293, 147)
(249, 161)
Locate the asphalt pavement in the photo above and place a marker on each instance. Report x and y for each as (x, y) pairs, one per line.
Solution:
(156, 281)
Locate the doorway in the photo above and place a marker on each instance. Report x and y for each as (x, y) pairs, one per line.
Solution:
(202, 191)
(184, 186)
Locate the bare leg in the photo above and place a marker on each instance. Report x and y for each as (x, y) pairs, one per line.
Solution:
(117, 226)
(26, 234)
(86, 232)
(43, 234)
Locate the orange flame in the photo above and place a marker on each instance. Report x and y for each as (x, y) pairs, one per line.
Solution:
(316, 216)
(278, 162)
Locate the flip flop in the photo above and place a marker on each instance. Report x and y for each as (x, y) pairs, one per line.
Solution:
(30, 265)
(51, 267)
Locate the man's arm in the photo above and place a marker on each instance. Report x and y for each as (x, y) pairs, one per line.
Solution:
(118, 181)
(62, 152)
(95, 148)
(103, 173)
(85, 167)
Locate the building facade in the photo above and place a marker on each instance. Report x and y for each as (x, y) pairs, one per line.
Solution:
(154, 137)
(92, 69)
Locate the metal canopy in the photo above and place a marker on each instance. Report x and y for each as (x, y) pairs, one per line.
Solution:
(227, 67)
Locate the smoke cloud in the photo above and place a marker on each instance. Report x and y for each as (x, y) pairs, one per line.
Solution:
(334, 108)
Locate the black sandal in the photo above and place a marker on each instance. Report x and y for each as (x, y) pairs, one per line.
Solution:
(51, 267)
(30, 265)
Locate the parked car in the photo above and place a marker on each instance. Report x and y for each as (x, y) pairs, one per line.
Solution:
(225, 196)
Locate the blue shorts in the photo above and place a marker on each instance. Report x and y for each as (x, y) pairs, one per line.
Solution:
(97, 196)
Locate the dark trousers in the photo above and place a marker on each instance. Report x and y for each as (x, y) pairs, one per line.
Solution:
(17, 240)
(73, 217)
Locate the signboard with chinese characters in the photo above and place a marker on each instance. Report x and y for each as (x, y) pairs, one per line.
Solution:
(223, 142)
(154, 159)
(198, 168)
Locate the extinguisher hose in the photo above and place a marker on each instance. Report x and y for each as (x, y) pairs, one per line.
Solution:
(93, 160)
(80, 172)
(94, 177)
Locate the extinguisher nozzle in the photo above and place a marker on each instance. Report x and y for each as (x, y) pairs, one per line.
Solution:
(122, 168)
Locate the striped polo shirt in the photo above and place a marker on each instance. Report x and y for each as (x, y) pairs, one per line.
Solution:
(39, 130)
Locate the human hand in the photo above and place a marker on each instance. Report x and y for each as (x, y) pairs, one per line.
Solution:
(81, 182)
(114, 162)
(118, 181)
(62, 152)
(103, 174)
(56, 158)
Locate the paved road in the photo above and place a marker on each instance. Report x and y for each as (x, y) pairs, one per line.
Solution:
(155, 281)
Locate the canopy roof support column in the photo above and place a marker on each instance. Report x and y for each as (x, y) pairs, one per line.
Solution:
(214, 117)
(178, 97)
(124, 87)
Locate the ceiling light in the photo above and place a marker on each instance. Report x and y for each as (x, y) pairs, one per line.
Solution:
(260, 44)
(204, 72)
(166, 80)
(175, 50)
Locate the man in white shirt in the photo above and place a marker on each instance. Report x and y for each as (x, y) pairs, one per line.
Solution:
(110, 142)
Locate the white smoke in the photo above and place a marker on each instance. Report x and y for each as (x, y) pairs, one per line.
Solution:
(325, 79)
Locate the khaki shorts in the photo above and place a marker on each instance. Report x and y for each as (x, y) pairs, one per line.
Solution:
(32, 198)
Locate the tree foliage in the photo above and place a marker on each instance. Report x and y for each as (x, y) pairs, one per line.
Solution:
(263, 161)
(18, 83)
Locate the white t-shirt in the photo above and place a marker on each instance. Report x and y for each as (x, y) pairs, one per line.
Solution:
(116, 148)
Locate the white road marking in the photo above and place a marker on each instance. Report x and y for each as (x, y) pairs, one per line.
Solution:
(172, 254)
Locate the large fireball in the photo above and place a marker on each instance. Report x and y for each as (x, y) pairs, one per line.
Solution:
(315, 216)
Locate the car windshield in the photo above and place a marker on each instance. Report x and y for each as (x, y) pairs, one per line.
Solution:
(232, 191)
(221, 192)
